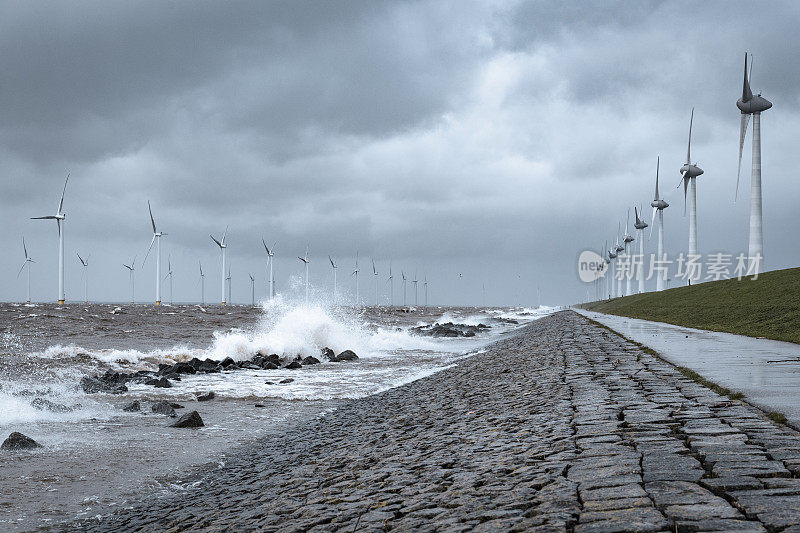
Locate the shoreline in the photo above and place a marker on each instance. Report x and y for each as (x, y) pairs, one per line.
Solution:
(561, 425)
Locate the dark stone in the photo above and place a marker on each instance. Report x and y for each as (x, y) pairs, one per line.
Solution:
(92, 385)
(294, 365)
(189, 420)
(228, 361)
(347, 355)
(46, 405)
(205, 397)
(271, 358)
(161, 382)
(163, 408)
(449, 329)
(18, 441)
(259, 405)
(310, 360)
(328, 354)
(269, 365)
(195, 362)
(184, 368)
(284, 381)
(175, 405)
(132, 407)
(208, 366)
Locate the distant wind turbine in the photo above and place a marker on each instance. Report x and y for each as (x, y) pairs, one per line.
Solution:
(620, 249)
(222, 247)
(375, 273)
(628, 239)
(306, 262)
(202, 285)
(689, 173)
(612, 254)
(27, 263)
(640, 225)
(333, 266)
(391, 285)
(270, 260)
(752, 105)
(228, 279)
(157, 240)
(132, 274)
(658, 206)
(403, 274)
(415, 281)
(253, 288)
(85, 273)
(169, 275)
(425, 284)
(59, 218)
(355, 273)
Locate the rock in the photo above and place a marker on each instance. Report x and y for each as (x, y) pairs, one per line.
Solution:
(284, 381)
(92, 385)
(132, 407)
(175, 405)
(269, 383)
(228, 361)
(294, 365)
(347, 355)
(272, 358)
(46, 405)
(205, 397)
(184, 368)
(162, 383)
(328, 354)
(208, 366)
(195, 362)
(269, 365)
(18, 441)
(163, 408)
(189, 420)
(259, 405)
(449, 329)
(310, 360)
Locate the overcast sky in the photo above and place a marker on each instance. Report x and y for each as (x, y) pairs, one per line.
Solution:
(490, 139)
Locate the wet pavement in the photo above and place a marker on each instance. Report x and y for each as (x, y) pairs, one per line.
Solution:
(563, 427)
(766, 371)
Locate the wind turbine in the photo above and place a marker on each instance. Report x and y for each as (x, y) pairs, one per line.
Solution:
(752, 105)
(169, 275)
(355, 273)
(425, 284)
(375, 273)
(222, 247)
(132, 269)
(403, 274)
(228, 279)
(333, 266)
(27, 263)
(415, 281)
(253, 288)
(391, 286)
(627, 239)
(658, 206)
(202, 285)
(620, 250)
(270, 254)
(640, 225)
(306, 261)
(689, 173)
(156, 239)
(612, 254)
(59, 218)
(85, 265)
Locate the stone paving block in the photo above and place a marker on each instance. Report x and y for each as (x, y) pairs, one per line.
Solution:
(639, 519)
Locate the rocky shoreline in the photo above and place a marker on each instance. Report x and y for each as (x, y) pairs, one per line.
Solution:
(562, 426)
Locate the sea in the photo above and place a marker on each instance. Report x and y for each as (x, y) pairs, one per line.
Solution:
(96, 457)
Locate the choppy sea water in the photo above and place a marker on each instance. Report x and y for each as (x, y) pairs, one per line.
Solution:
(96, 457)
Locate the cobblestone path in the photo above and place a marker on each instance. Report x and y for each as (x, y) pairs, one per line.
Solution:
(564, 426)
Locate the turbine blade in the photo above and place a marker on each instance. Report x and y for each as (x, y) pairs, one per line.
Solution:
(149, 248)
(152, 221)
(21, 269)
(658, 163)
(685, 185)
(44, 218)
(265, 245)
(689, 148)
(742, 133)
(223, 236)
(201, 268)
(61, 203)
(216, 241)
(653, 220)
(24, 247)
(747, 94)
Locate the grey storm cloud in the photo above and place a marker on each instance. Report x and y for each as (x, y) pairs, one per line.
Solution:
(494, 139)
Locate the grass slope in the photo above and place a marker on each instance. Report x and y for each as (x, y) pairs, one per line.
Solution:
(767, 307)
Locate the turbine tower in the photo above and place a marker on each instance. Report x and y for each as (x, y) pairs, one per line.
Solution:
(612, 254)
(228, 279)
(333, 266)
(390, 279)
(253, 288)
(752, 105)
(270, 254)
(415, 281)
(131, 273)
(27, 263)
(640, 225)
(403, 274)
(619, 249)
(169, 275)
(375, 273)
(607, 260)
(306, 261)
(627, 239)
(658, 206)
(425, 284)
(202, 285)
(222, 247)
(85, 265)
(59, 218)
(689, 173)
(355, 273)
(156, 239)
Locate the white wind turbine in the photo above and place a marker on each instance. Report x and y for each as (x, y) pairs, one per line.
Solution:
(85, 273)
(59, 218)
(689, 173)
(132, 274)
(391, 285)
(627, 239)
(403, 275)
(658, 206)
(270, 260)
(425, 285)
(620, 250)
(228, 279)
(333, 267)
(640, 225)
(415, 281)
(202, 285)
(222, 248)
(169, 275)
(253, 289)
(612, 254)
(355, 273)
(375, 273)
(27, 263)
(752, 105)
(157, 240)
(306, 261)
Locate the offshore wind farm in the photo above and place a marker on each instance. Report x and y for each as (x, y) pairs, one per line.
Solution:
(517, 327)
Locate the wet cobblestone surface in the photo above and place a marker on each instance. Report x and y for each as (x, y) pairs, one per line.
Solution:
(564, 426)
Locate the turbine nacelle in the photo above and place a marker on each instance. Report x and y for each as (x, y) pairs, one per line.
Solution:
(690, 171)
(659, 204)
(756, 104)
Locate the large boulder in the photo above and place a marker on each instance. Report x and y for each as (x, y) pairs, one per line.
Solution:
(328, 354)
(310, 360)
(269, 365)
(18, 441)
(209, 366)
(205, 397)
(189, 420)
(132, 407)
(162, 382)
(294, 365)
(44, 404)
(163, 408)
(91, 385)
(272, 357)
(347, 355)
(228, 361)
